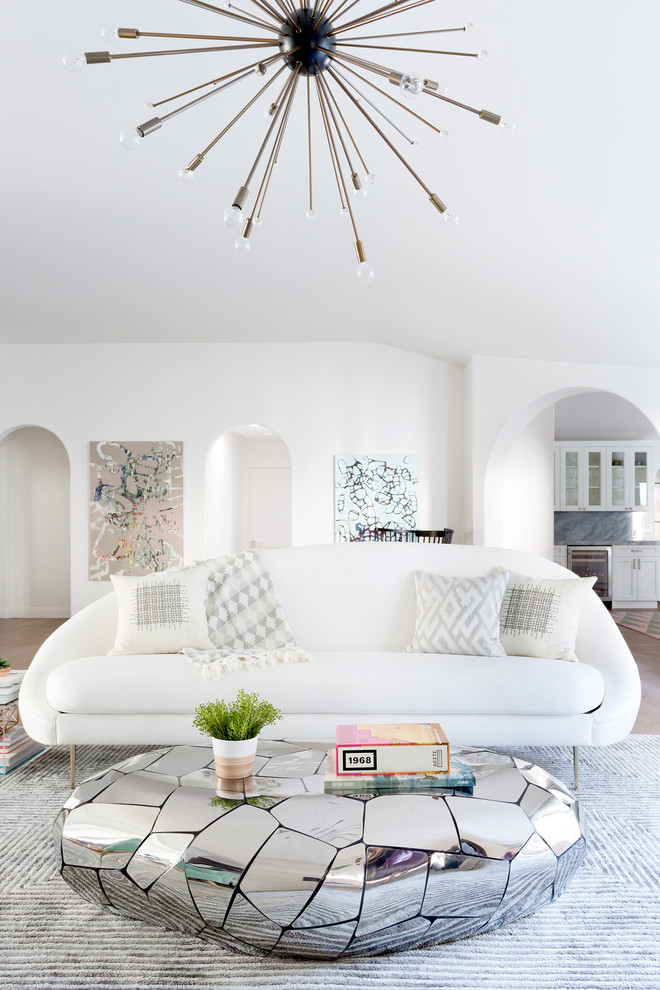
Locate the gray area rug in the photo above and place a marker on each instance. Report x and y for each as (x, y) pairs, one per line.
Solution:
(602, 934)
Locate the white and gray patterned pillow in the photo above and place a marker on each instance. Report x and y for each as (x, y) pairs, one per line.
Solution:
(540, 616)
(459, 615)
(161, 613)
(243, 611)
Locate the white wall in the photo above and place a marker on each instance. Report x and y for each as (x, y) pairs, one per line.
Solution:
(35, 522)
(321, 399)
(527, 493)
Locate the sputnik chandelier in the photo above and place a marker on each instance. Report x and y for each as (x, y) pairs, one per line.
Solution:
(320, 51)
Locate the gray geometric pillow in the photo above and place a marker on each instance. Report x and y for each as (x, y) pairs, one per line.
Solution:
(458, 615)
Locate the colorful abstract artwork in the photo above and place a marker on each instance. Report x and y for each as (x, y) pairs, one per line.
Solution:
(136, 507)
(374, 492)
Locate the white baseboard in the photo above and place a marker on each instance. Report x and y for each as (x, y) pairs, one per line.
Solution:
(35, 613)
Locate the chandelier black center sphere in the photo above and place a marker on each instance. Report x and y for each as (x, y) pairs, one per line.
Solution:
(307, 40)
(332, 67)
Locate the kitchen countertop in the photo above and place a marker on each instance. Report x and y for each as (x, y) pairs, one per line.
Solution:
(618, 543)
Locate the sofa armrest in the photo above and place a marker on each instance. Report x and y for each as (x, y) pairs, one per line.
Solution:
(90, 632)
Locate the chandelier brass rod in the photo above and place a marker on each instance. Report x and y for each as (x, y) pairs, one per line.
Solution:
(199, 37)
(309, 139)
(266, 7)
(323, 12)
(370, 13)
(387, 95)
(205, 96)
(404, 34)
(214, 82)
(335, 13)
(384, 137)
(194, 51)
(387, 11)
(225, 13)
(274, 154)
(380, 70)
(287, 14)
(285, 93)
(332, 96)
(330, 148)
(379, 112)
(241, 112)
(341, 174)
(324, 88)
(394, 48)
(455, 103)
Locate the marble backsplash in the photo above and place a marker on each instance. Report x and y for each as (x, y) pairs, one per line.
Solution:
(595, 527)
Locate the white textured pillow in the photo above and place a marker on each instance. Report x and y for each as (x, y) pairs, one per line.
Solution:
(540, 616)
(459, 615)
(162, 613)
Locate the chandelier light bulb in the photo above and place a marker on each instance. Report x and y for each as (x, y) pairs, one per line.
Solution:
(186, 174)
(469, 27)
(130, 138)
(109, 32)
(369, 180)
(482, 55)
(443, 136)
(311, 214)
(507, 127)
(74, 61)
(412, 84)
(242, 245)
(258, 221)
(450, 219)
(233, 217)
(344, 211)
(365, 272)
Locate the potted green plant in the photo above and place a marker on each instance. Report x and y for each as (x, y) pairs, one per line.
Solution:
(5, 667)
(234, 728)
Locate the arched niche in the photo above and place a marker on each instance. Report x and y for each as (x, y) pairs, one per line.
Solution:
(519, 486)
(248, 491)
(35, 545)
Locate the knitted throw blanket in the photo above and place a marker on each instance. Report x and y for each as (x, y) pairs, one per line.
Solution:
(246, 623)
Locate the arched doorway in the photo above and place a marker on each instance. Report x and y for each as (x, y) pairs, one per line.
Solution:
(35, 551)
(519, 486)
(248, 491)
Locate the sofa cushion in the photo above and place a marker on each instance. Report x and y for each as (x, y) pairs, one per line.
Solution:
(540, 616)
(334, 683)
(161, 613)
(459, 615)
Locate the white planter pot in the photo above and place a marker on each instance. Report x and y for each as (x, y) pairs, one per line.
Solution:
(234, 758)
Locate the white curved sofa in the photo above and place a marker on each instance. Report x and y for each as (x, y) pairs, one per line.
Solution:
(352, 606)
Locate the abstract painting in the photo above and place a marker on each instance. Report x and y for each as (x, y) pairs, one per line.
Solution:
(374, 492)
(136, 507)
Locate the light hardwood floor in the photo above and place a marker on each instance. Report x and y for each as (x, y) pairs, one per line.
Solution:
(21, 638)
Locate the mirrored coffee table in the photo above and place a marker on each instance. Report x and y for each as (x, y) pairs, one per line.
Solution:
(277, 866)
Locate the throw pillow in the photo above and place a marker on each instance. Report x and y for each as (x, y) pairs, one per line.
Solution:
(459, 615)
(540, 616)
(161, 613)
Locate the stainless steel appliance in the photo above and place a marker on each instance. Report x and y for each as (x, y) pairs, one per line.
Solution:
(589, 561)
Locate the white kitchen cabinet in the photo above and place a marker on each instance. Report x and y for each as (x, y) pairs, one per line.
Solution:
(582, 478)
(629, 478)
(616, 477)
(560, 555)
(635, 577)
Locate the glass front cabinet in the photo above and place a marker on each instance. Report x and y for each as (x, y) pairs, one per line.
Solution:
(582, 472)
(591, 477)
(629, 478)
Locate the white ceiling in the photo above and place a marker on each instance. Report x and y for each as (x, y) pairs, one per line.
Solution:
(556, 256)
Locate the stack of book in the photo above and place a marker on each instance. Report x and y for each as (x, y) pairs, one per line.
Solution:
(16, 747)
(387, 759)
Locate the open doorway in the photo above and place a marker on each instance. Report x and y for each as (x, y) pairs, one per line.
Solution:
(248, 491)
(35, 570)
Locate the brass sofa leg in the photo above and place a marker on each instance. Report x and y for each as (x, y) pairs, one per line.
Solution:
(72, 764)
(575, 767)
